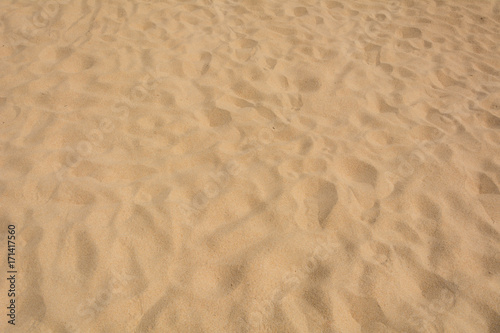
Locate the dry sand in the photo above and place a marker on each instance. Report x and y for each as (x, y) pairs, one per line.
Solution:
(251, 166)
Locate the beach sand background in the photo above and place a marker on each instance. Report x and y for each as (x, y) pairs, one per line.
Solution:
(251, 166)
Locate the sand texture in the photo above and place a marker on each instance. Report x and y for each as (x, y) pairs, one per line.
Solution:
(251, 165)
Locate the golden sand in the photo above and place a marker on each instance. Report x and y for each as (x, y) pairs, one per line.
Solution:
(250, 166)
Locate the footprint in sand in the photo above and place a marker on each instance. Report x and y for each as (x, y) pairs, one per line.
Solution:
(358, 171)
(320, 198)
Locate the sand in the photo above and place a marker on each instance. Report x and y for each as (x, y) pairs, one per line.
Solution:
(250, 166)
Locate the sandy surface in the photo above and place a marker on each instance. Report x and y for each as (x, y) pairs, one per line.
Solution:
(251, 166)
